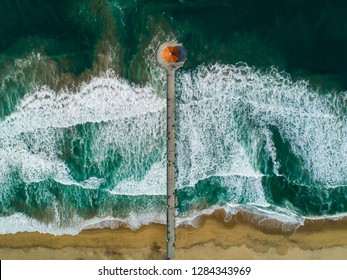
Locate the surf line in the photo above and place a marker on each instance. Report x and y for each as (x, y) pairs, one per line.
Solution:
(171, 55)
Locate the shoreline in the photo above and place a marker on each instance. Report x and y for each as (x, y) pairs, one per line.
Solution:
(213, 239)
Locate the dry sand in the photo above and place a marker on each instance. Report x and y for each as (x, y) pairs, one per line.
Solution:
(213, 239)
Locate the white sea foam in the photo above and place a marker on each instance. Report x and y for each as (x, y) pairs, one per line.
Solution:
(153, 183)
(34, 158)
(29, 136)
(281, 218)
(224, 115)
(21, 223)
(193, 219)
(244, 189)
(277, 217)
(104, 99)
(140, 142)
(220, 102)
(208, 143)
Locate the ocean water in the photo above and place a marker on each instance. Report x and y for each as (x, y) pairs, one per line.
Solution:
(261, 112)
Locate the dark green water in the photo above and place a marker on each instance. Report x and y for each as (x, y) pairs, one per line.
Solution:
(261, 106)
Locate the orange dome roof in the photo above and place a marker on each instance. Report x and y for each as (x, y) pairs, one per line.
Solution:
(171, 54)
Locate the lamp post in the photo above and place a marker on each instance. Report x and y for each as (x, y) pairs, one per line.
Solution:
(171, 55)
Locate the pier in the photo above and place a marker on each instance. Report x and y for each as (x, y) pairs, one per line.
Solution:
(171, 56)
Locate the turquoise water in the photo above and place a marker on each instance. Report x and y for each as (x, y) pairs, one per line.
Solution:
(261, 112)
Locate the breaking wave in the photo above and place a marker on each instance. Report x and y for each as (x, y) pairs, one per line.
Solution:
(247, 140)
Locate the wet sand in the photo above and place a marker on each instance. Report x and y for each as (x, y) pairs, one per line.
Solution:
(213, 239)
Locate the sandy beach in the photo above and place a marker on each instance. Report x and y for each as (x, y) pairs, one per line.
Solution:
(213, 239)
